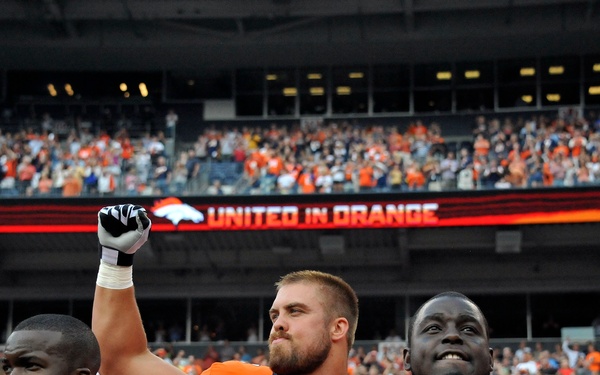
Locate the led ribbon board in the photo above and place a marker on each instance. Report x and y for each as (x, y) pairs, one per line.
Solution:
(351, 211)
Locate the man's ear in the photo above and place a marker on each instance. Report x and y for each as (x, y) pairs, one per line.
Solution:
(491, 359)
(406, 355)
(339, 329)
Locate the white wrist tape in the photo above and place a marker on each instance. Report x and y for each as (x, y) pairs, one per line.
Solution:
(114, 277)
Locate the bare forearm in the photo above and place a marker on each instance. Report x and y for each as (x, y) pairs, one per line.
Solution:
(117, 323)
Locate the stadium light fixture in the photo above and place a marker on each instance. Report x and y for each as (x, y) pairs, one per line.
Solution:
(317, 91)
(69, 89)
(556, 70)
(472, 74)
(123, 87)
(356, 75)
(271, 77)
(343, 90)
(527, 72)
(443, 76)
(314, 76)
(143, 89)
(555, 98)
(594, 90)
(527, 98)
(52, 90)
(290, 91)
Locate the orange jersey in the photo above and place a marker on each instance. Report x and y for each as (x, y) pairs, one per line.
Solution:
(236, 368)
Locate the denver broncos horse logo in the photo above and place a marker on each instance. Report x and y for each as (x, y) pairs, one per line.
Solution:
(175, 210)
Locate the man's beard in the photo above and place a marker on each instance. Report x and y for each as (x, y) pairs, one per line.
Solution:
(293, 361)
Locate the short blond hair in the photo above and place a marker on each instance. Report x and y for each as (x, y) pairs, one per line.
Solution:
(343, 301)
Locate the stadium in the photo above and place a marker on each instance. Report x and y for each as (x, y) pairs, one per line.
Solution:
(269, 136)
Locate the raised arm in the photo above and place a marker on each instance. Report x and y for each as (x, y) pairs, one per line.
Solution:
(116, 320)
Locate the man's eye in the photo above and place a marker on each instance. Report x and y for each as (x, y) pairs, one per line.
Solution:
(274, 317)
(470, 329)
(433, 329)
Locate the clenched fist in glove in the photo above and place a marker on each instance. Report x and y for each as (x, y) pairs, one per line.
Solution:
(122, 230)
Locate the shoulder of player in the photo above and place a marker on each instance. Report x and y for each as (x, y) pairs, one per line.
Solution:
(237, 368)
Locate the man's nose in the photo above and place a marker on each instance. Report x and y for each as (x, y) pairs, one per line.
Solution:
(452, 335)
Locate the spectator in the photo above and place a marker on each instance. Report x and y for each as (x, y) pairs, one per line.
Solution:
(180, 174)
(215, 188)
(572, 352)
(25, 173)
(527, 366)
(171, 120)
(162, 176)
(72, 184)
(227, 351)
(592, 359)
(449, 168)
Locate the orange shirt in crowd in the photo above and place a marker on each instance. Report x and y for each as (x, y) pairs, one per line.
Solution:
(72, 187)
(561, 149)
(306, 183)
(274, 165)
(481, 147)
(11, 168)
(365, 176)
(414, 178)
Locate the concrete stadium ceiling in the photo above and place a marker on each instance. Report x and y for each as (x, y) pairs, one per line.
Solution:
(196, 34)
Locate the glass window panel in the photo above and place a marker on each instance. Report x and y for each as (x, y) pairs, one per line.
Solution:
(517, 96)
(560, 69)
(391, 77)
(164, 319)
(355, 102)
(504, 322)
(377, 318)
(207, 84)
(280, 105)
(249, 105)
(313, 105)
(559, 94)
(314, 89)
(249, 80)
(391, 101)
(354, 77)
(476, 99)
(433, 75)
(226, 318)
(474, 73)
(592, 94)
(551, 312)
(433, 100)
(313, 77)
(84, 85)
(278, 79)
(592, 69)
(517, 71)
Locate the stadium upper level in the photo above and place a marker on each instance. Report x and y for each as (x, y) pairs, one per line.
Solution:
(148, 35)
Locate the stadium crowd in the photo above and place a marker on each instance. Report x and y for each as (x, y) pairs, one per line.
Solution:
(320, 156)
(386, 358)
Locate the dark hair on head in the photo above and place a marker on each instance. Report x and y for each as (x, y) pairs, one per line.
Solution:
(341, 298)
(78, 343)
(451, 294)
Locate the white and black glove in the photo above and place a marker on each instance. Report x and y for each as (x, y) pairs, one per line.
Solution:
(122, 230)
